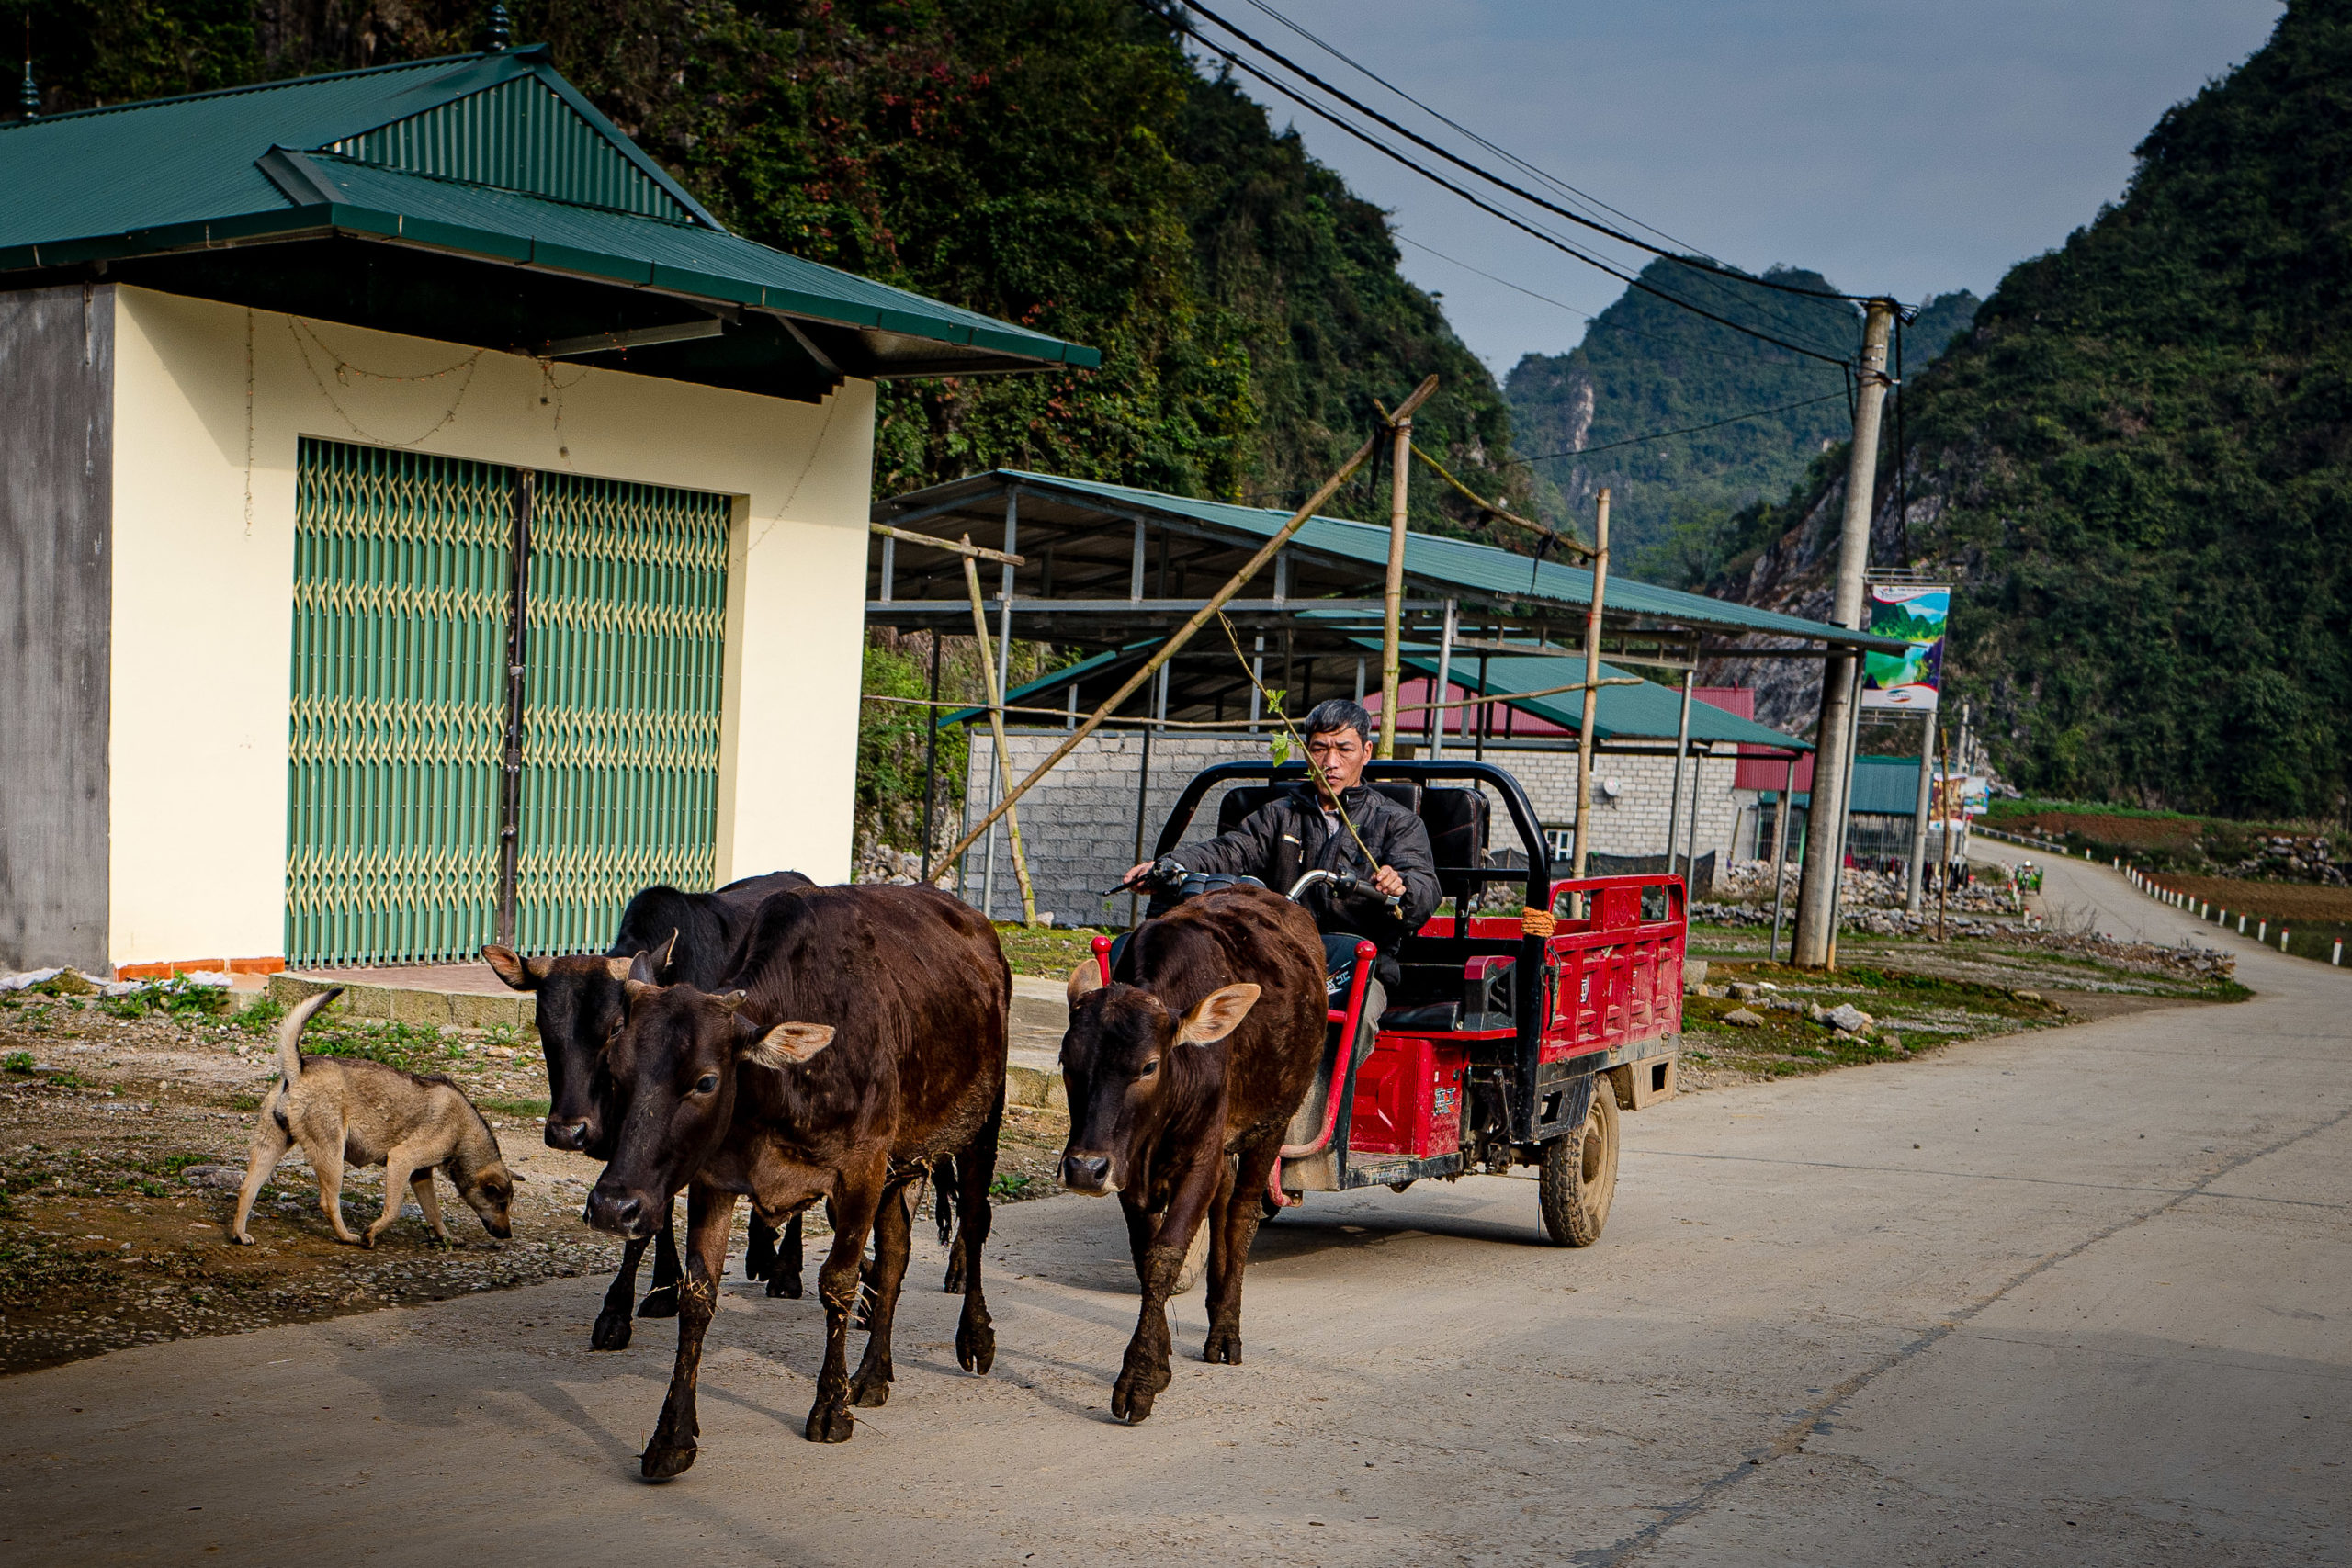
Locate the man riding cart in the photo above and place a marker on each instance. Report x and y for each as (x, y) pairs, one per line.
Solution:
(1381, 879)
(1481, 1042)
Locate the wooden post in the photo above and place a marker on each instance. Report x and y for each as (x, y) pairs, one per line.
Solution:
(1592, 680)
(996, 731)
(930, 755)
(1199, 618)
(1392, 608)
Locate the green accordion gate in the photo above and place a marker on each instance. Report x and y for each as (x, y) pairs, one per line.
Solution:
(404, 594)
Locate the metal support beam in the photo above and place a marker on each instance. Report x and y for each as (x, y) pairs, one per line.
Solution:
(1444, 682)
(1681, 751)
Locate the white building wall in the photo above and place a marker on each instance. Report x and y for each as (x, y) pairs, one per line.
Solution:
(210, 404)
(1078, 823)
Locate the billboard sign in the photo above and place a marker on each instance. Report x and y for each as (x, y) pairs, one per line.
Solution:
(1909, 680)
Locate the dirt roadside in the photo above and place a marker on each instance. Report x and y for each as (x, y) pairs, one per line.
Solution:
(124, 1122)
(122, 1142)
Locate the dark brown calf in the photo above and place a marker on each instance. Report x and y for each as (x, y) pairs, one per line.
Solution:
(692, 937)
(1181, 1087)
(864, 1043)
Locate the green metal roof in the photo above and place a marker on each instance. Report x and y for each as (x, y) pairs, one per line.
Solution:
(1647, 712)
(489, 158)
(1460, 564)
(1054, 680)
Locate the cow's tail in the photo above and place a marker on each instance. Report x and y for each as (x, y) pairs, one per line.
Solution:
(289, 1032)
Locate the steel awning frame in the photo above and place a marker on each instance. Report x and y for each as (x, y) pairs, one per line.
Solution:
(1099, 560)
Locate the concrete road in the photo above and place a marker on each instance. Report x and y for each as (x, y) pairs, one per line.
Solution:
(2078, 1297)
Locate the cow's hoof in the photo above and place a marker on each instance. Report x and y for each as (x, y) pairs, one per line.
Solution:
(612, 1330)
(1224, 1348)
(976, 1348)
(831, 1424)
(663, 1461)
(661, 1301)
(870, 1391)
(1132, 1396)
(783, 1284)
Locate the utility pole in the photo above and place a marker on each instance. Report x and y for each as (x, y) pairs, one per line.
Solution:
(1824, 850)
(1392, 596)
(1592, 685)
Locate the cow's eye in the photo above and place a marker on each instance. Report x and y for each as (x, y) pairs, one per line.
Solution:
(706, 1084)
(1149, 1069)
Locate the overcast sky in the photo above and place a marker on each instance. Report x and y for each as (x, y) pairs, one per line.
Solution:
(1909, 146)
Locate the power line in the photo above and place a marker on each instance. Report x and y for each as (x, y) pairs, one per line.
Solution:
(1503, 152)
(1496, 180)
(1667, 435)
(1597, 323)
(1631, 279)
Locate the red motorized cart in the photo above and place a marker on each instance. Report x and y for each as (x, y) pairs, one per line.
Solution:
(1501, 1045)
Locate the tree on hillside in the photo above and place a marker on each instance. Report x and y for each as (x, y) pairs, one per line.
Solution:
(2139, 464)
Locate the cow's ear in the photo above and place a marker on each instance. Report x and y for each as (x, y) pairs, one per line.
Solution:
(1216, 1015)
(732, 1001)
(523, 974)
(787, 1045)
(1084, 981)
(665, 956)
(629, 969)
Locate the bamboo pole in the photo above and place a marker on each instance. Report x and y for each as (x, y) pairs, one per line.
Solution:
(1391, 599)
(1592, 679)
(996, 729)
(1200, 618)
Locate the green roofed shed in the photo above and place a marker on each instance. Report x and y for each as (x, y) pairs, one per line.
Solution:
(476, 199)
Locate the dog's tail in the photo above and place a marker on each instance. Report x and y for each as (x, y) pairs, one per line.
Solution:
(289, 1032)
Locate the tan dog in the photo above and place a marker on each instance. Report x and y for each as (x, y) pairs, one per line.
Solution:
(348, 1111)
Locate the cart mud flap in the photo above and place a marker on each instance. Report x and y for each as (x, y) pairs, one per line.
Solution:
(1645, 1082)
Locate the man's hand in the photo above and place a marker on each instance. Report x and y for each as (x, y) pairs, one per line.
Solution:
(1134, 872)
(1388, 882)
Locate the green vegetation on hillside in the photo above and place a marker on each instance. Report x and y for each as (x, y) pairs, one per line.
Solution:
(1646, 366)
(2139, 462)
(1057, 162)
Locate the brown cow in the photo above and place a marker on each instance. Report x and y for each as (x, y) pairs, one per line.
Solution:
(1179, 1126)
(693, 937)
(864, 1043)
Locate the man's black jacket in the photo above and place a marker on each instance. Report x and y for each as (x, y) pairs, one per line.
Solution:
(1285, 839)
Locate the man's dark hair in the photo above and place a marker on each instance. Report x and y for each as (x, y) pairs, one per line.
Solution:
(1338, 713)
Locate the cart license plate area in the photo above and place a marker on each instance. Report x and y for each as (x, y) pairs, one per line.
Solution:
(1409, 1098)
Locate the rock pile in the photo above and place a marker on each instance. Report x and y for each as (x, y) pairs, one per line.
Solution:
(2284, 858)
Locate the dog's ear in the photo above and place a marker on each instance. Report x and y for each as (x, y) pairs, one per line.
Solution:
(523, 974)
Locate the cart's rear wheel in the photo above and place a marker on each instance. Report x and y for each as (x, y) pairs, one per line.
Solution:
(1580, 1175)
